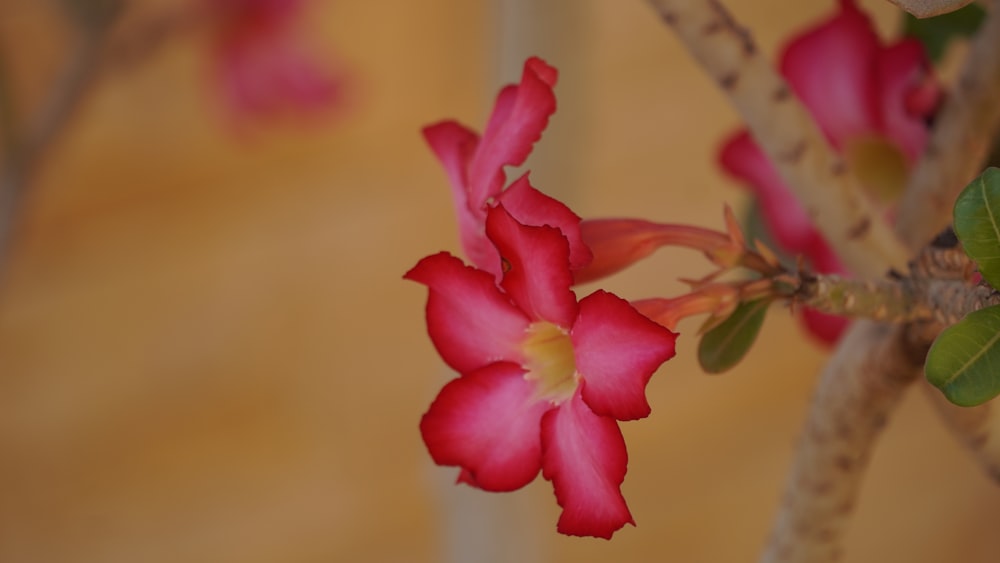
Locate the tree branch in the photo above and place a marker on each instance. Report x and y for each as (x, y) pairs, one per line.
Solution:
(874, 364)
(26, 148)
(857, 391)
(966, 126)
(899, 301)
(960, 139)
(785, 130)
(976, 428)
(929, 8)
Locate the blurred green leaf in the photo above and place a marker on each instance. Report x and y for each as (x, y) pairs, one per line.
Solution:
(977, 223)
(964, 361)
(935, 33)
(725, 345)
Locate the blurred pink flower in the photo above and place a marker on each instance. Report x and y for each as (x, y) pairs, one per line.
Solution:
(261, 66)
(543, 378)
(872, 101)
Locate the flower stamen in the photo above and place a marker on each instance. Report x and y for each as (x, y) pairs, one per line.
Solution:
(549, 359)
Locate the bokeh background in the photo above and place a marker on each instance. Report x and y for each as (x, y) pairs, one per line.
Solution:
(207, 352)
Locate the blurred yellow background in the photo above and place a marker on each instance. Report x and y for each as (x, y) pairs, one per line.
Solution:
(207, 352)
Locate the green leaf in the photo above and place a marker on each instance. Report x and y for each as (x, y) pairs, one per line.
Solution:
(725, 345)
(964, 361)
(977, 223)
(935, 33)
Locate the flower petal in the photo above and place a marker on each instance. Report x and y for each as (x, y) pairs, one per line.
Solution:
(536, 267)
(616, 244)
(502, 107)
(823, 259)
(619, 243)
(908, 95)
(261, 66)
(826, 328)
(785, 217)
(617, 350)
(471, 322)
(454, 146)
(585, 458)
(489, 424)
(531, 207)
(841, 91)
(273, 77)
(510, 136)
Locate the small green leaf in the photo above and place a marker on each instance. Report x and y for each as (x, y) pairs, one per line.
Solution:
(964, 361)
(977, 223)
(935, 33)
(725, 345)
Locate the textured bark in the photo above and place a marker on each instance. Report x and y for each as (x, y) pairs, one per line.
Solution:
(966, 126)
(873, 364)
(898, 301)
(929, 8)
(785, 130)
(960, 140)
(977, 428)
(856, 394)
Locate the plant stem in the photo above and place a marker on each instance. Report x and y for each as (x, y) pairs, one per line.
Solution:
(930, 8)
(899, 301)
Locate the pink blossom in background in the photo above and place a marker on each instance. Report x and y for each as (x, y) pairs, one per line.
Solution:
(261, 64)
(544, 378)
(873, 102)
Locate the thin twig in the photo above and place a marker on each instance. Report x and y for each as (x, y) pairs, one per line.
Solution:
(26, 150)
(8, 117)
(786, 132)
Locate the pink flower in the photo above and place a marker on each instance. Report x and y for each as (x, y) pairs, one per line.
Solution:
(871, 100)
(475, 167)
(543, 378)
(261, 66)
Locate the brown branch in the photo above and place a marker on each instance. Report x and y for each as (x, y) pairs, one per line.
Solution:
(960, 140)
(786, 132)
(929, 8)
(873, 364)
(25, 150)
(857, 391)
(806, 529)
(976, 428)
(896, 301)
(866, 376)
(861, 383)
(959, 145)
